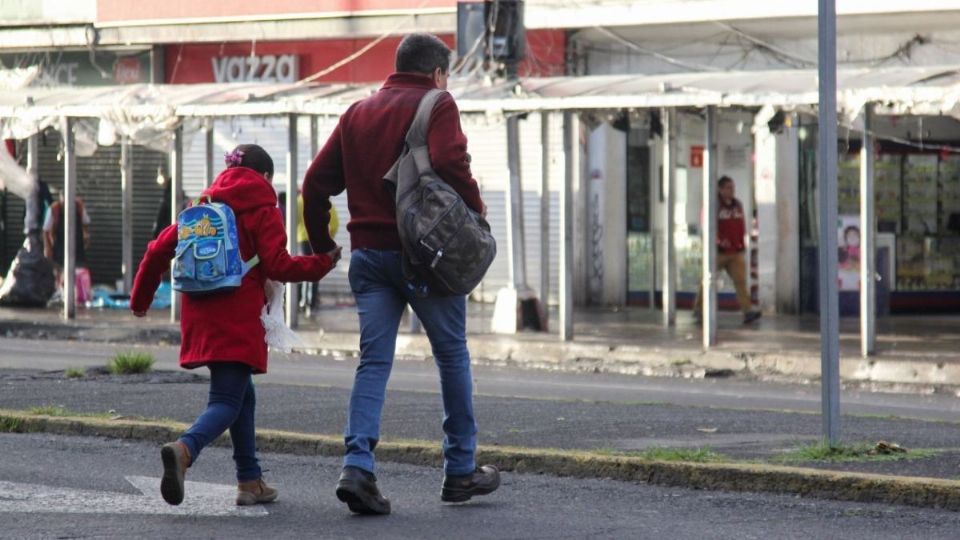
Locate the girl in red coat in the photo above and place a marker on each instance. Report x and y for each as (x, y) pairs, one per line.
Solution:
(223, 331)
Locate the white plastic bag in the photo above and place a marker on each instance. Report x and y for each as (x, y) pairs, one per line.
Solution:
(279, 336)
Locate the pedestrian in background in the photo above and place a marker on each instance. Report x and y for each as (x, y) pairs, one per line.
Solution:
(53, 244)
(223, 330)
(309, 299)
(359, 153)
(731, 229)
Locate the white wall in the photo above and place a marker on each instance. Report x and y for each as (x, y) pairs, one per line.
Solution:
(607, 215)
(777, 184)
(48, 11)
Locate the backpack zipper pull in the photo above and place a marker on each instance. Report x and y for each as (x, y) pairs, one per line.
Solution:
(436, 258)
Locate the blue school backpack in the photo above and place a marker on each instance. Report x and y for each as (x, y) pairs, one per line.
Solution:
(207, 259)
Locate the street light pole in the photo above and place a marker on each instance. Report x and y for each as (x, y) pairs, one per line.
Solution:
(827, 187)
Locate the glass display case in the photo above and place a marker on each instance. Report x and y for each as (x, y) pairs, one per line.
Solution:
(918, 199)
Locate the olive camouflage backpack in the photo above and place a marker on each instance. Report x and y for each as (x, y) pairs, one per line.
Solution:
(446, 244)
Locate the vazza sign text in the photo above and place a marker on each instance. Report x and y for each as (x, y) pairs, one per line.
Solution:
(268, 68)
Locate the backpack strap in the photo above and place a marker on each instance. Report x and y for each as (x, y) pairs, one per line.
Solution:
(415, 141)
(201, 200)
(248, 265)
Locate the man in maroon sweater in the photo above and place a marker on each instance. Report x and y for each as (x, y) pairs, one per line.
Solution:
(359, 152)
(731, 229)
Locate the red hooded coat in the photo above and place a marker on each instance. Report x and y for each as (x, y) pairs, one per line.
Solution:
(226, 327)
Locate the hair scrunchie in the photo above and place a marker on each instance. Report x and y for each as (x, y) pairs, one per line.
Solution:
(233, 158)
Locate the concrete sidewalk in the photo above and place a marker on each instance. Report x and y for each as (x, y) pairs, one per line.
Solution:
(910, 350)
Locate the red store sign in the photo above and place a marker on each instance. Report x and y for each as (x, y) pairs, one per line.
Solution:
(289, 61)
(285, 61)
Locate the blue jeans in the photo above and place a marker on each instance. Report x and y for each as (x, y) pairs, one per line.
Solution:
(382, 294)
(231, 406)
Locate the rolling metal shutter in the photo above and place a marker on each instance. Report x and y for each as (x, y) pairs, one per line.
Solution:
(98, 185)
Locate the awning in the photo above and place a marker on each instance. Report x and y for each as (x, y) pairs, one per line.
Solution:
(133, 108)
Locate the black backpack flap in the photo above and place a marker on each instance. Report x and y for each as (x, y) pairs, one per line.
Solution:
(445, 243)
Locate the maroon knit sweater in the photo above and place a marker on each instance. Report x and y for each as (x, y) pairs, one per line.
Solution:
(363, 147)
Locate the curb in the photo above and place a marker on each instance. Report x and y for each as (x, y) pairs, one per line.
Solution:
(630, 359)
(804, 482)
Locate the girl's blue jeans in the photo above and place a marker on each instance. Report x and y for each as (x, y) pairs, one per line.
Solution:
(231, 406)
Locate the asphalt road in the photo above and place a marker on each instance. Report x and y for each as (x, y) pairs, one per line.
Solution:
(94, 475)
(739, 419)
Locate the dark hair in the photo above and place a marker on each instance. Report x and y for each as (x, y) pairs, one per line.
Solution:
(422, 53)
(724, 180)
(251, 156)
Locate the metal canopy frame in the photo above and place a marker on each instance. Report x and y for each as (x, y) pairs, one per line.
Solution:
(899, 90)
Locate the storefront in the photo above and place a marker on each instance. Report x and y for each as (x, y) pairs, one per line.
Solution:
(917, 197)
(98, 172)
(645, 196)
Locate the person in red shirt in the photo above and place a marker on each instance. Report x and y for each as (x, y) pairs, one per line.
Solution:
(223, 331)
(731, 229)
(360, 151)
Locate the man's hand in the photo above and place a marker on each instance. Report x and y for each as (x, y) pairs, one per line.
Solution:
(335, 254)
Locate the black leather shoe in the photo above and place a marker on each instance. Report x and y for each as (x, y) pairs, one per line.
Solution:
(483, 481)
(358, 488)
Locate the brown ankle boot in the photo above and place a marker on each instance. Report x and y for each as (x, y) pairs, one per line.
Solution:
(255, 492)
(176, 459)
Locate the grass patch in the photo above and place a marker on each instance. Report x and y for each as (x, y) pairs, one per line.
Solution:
(55, 410)
(128, 363)
(50, 410)
(74, 373)
(823, 452)
(11, 425)
(695, 455)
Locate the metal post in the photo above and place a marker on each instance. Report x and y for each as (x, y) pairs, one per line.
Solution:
(654, 195)
(69, 219)
(208, 174)
(566, 230)
(291, 296)
(176, 187)
(33, 221)
(670, 252)
(126, 212)
(545, 208)
(868, 239)
(709, 236)
(515, 229)
(314, 136)
(827, 187)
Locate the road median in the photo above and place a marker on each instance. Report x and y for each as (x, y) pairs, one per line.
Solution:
(728, 476)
